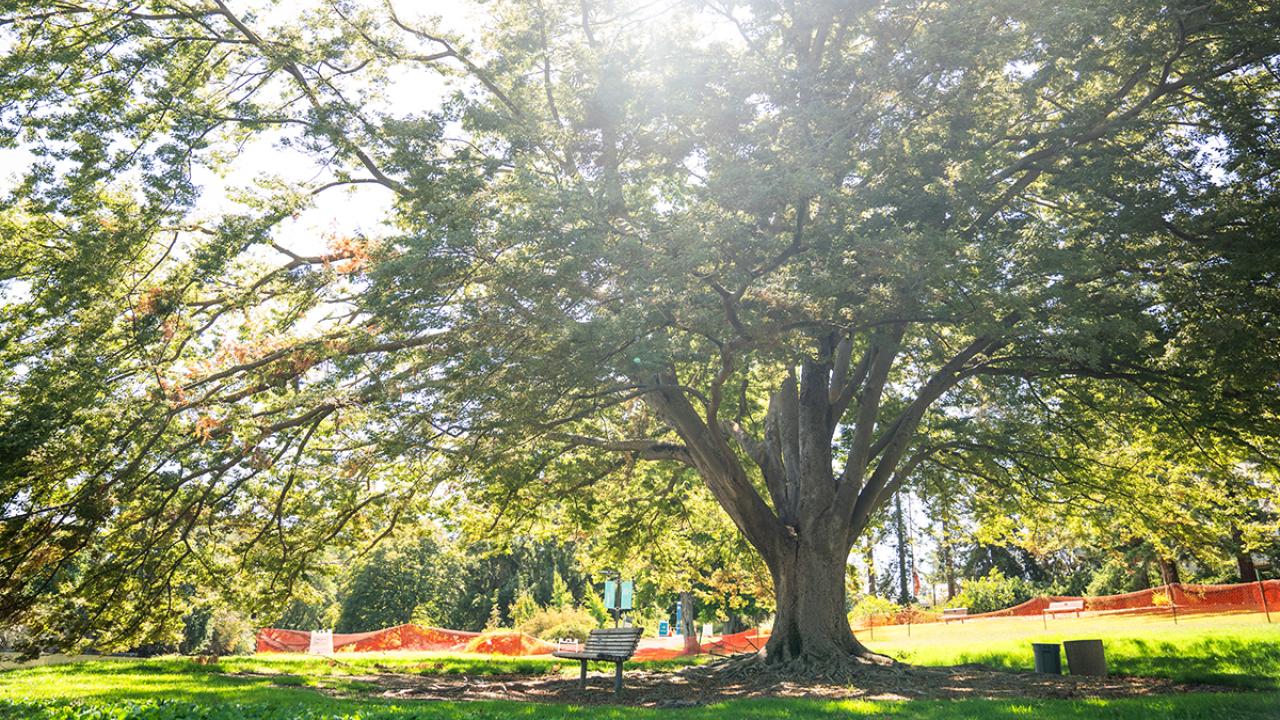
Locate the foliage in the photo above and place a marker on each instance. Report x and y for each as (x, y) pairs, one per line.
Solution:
(992, 592)
(229, 634)
(414, 577)
(801, 257)
(524, 608)
(869, 606)
(561, 598)
(555, 623)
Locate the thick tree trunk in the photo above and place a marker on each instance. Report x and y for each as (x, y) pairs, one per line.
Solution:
(811, 626)
(1168, 571)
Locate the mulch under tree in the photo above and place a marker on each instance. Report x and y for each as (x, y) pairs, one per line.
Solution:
(722, 681)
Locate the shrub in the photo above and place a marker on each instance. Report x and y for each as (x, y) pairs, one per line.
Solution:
(229, 634)
(523, 608)
(872, 606)
(552, 623)
(195, 631)
(993, 592)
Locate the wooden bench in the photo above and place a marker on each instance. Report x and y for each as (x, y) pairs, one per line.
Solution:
(1062, 606)
(949, 614)
(615, 645)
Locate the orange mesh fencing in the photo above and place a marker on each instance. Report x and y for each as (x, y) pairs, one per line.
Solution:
(403, 637)
(745, 641)
(288, 641)
(407, 637)
(1240, 597)
(509, 643)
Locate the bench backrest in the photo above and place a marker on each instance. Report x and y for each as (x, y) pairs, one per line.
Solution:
(620, 642)
(1067, 605)
(955, 611)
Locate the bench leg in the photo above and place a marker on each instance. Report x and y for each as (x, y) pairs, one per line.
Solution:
(582, 678)
(617, 679)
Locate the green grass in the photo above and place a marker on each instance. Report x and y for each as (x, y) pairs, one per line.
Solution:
(1236, 650)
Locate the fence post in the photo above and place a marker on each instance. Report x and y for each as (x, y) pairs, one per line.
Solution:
(1173, 605)
(1262, 590)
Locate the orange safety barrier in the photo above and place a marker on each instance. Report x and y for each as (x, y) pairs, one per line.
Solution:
(1184, 598)
(510, 643)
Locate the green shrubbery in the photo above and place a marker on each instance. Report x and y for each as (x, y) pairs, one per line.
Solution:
(216, 631)
(993, 592)
(872, 606)
(555, 623)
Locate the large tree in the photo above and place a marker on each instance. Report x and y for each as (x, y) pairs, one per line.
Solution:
(801, 248)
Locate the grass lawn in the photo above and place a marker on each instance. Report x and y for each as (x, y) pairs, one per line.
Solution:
(1237, 650)
(1241, 650)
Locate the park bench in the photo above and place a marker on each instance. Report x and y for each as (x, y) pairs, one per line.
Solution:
(615, 645)
(949, 614)
(1062, 606)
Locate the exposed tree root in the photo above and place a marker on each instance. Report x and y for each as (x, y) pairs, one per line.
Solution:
(841, 670)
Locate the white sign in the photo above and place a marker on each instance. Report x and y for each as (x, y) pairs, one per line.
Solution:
(321, 642)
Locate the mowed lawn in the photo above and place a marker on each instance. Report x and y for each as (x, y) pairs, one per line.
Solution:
(1241, 651)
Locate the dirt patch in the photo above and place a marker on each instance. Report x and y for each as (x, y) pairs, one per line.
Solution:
(702, 685)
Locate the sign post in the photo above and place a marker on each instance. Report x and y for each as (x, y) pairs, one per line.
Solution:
(618, 594)
(1260, 564)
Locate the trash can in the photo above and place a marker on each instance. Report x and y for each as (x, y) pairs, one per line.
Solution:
(1085, 657)
(1048, 658)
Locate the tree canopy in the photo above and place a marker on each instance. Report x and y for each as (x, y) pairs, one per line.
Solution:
(806, 250)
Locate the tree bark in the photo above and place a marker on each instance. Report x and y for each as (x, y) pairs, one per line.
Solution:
(811, 626)
(1168, 571)
(688, 627)
(900, 530)
(869, 557)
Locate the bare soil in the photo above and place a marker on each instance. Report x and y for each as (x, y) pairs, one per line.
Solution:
(709, 684)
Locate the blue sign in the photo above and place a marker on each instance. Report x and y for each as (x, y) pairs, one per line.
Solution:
(663, 628)
(627, 591)
(611, 594)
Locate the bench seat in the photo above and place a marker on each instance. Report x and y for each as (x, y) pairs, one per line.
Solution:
(615, 645)
(591, 656)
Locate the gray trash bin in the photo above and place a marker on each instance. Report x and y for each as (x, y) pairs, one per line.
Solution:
(1085, 657)
(1048, 658)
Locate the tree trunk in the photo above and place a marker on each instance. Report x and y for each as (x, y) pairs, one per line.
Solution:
(687, 625)
(946, 558)
(1244, 564)
(869, 557)
(1244, 561)
(900, 530)
(811, 626)
(1168, 571)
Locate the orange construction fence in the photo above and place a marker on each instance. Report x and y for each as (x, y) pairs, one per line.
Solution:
(408, 637)
(1179, 597)
(1182, 598)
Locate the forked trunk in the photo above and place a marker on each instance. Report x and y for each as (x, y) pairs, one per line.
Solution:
(811, 627)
